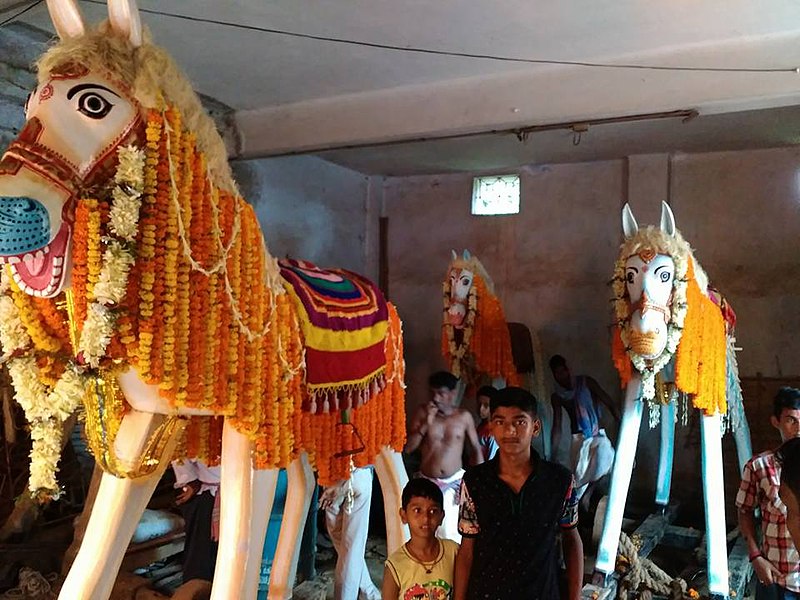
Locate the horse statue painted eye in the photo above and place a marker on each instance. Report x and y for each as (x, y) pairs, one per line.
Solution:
(93, 105)
(629, 277)
(665, 275)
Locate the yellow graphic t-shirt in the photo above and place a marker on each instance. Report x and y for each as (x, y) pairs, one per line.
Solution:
(429, 582)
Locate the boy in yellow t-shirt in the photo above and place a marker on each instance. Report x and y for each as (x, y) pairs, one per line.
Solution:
(422, 568)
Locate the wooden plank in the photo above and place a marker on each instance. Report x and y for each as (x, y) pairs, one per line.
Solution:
(652, 530)
(648, 534)
(592, 591)
(146, 553)
(166, 571)
(682, 537)
(170, 583)
(739, 567)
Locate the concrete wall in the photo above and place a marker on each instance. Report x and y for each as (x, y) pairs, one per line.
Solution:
(309, 208)
(551, 263)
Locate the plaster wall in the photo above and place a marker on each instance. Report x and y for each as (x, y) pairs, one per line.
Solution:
(552, 262)
(309, 208)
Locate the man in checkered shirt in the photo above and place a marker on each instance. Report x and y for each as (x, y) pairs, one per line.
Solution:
(776, 562)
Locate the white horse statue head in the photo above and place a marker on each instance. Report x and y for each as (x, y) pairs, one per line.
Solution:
(658, 286)
(95, 88)
(461, 275)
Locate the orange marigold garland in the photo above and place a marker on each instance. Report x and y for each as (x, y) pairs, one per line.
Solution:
(485, 345)
(205, 317)
(700, 364)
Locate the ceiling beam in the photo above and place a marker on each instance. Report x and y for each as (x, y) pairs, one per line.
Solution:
(531, 97)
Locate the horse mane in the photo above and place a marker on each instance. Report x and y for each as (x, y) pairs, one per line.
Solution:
(663, 243)
(476, 266)
(153, 79)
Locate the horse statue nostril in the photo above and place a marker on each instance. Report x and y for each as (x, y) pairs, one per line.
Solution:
(24, 225)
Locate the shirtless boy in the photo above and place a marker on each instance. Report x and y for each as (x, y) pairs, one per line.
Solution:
(440, 430)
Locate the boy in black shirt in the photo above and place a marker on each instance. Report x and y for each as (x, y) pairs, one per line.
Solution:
(512, 510)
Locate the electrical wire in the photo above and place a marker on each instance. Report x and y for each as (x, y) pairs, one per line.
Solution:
(431, 51)
(435, 52)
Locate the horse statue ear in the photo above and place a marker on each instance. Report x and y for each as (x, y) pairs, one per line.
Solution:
(66, 18)
(125, 20)
(629, 225)
(453, 255)
(667, 219)
(466, 255)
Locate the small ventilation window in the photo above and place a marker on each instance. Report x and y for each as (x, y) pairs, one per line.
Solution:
(495, 195)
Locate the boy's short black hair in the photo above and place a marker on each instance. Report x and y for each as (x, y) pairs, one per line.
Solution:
(487, 390)
(515, 397)
(557, 361)
(419, 487)
(443, 379)
(789, 457)
(787, 397)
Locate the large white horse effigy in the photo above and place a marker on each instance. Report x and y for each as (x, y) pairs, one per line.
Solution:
(136, 282)
(673, 343)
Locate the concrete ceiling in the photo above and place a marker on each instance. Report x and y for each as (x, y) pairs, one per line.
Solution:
(294, 94)
(495, 152)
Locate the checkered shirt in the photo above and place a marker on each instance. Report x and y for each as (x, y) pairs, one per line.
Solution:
(761, 480)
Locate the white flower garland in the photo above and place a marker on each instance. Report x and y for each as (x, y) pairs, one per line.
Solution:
(118, 258)
(44, 411)
(47, 411)
(458, 352)
(622, 309)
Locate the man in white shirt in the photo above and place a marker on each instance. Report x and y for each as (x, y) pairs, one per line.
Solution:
(198, 486)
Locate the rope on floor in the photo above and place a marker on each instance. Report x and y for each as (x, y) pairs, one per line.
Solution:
(642, 578)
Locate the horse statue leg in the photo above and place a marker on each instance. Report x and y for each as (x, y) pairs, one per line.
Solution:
(393, 478)
(265, 482)
(117, 509)
(666, 454)
(620, 477)
(744, 445)
(300, 488)
(242, 523)
(713, 493)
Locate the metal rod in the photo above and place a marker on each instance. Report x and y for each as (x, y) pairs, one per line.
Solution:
(521, 132)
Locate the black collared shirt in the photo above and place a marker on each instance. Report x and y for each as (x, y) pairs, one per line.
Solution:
(515, 553)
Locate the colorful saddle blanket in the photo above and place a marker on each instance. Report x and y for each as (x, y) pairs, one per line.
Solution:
(344, 319)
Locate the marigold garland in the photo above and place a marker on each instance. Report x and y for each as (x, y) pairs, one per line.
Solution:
(171, 277)
(485, 346)
(700, 363)
(46, 401)
(208, 319)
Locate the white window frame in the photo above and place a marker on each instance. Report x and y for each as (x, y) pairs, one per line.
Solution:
(503, 200)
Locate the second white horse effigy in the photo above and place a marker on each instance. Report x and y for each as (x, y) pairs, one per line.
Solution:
(673, 344)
